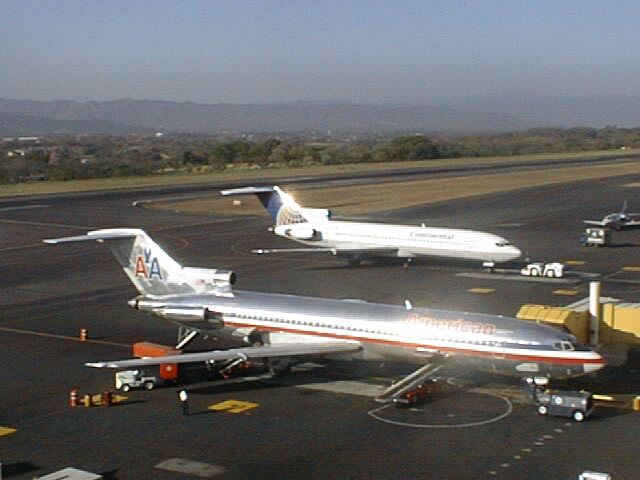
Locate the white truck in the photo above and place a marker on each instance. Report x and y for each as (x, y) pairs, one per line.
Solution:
(539, 269)
(128, 379)
(596, 237)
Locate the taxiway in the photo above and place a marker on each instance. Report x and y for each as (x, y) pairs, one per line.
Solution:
(317, 423)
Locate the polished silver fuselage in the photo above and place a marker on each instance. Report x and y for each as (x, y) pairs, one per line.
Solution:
(487, 342)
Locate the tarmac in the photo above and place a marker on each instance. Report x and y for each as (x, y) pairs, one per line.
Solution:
(319, 421)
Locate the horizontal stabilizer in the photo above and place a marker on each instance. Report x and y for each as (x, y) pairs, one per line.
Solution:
(246, 353)
(597, 223)
(247, 190)
(97, 235)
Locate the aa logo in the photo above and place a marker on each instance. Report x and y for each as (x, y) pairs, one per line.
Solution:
(148, 267)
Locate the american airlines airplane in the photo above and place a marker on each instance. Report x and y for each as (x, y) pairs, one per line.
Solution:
(286, 328)
(357, 240)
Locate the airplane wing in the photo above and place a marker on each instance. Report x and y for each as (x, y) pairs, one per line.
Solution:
(245, 353)
(293, 250)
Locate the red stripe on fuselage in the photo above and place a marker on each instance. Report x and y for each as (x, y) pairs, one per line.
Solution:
(469, 351)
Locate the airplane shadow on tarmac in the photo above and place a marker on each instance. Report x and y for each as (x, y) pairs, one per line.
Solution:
(202, 382)
(395, 262)
(622, 245)
(18, 468)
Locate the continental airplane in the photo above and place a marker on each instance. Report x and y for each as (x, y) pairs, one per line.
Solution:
(357, 240)
(617, 220)
(282, 329)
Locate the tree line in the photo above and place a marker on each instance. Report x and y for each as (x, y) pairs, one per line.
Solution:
(101, 156)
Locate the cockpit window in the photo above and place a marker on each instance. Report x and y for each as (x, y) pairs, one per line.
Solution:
(502, 244)
(580, 347)
(564, 346)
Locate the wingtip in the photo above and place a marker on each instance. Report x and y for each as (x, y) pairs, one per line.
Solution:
(97, 364)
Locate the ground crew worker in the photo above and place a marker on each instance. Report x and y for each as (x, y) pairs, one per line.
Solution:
(184, 399)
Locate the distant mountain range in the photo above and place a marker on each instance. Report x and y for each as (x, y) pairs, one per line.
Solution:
(471, 115)
(127, 115)
(26, 125)
(592, 111)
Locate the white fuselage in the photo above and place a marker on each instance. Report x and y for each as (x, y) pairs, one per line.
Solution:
(407, 240)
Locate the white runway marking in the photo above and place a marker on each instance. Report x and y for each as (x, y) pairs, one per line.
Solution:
(190, 467)
(23, 207)
(45, 224)
(374, 414)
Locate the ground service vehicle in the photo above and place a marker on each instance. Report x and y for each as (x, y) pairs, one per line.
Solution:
(589, 475)
(596, 237)
(539, 269)
(418, 394)
(565, 403)
(128, 379)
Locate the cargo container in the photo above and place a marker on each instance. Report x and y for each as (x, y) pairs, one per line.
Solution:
(167, 371)
(148, 349)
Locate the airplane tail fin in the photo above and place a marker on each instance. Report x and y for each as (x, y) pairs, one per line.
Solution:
(281, 206)
(624, 207)
(150, 269)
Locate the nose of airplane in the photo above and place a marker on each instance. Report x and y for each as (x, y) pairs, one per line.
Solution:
(515, 252)
(597, 364)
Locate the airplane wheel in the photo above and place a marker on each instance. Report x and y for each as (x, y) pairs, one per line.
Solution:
(125, 388)
(578, 416)
(280, 367)
(542, 409)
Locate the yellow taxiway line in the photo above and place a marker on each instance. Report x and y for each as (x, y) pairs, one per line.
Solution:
(482, 290)
(562, 291)
(575, 262)
(7, 431)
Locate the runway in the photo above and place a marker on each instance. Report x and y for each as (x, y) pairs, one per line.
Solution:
(280, 428)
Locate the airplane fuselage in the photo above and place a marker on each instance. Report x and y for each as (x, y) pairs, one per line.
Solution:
(491, 343)
(408, 241)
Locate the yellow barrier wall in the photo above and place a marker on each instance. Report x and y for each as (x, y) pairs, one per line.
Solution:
(576, 322)
(620, 323)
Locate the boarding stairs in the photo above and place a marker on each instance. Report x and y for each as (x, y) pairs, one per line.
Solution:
(397, 389)
(185, 335)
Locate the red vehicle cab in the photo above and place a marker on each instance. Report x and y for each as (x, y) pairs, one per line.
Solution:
(419, 393)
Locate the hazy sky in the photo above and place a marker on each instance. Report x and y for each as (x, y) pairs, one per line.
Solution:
(424, 52)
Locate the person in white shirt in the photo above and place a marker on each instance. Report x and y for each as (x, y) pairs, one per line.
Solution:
(184, 399)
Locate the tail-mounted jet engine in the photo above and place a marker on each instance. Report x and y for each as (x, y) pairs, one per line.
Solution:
(199, 317)
(299, 231)
(207, 277)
